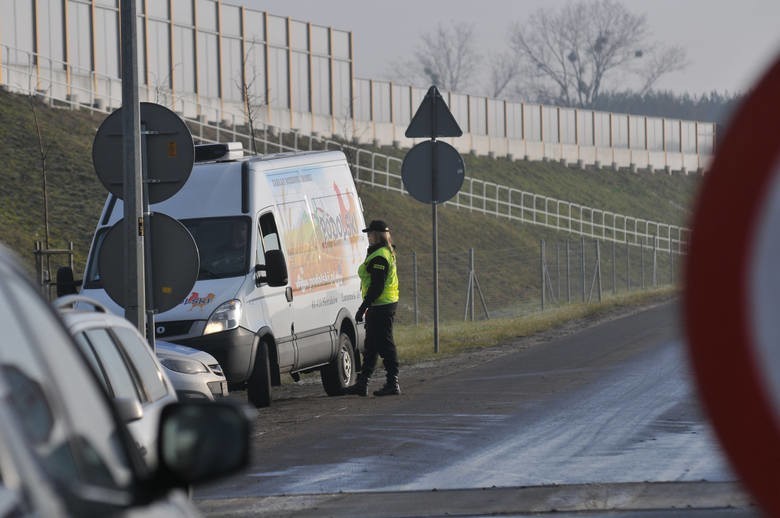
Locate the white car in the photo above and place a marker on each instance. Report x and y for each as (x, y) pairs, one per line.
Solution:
(130, 372)
(64, 450)
(195, 374)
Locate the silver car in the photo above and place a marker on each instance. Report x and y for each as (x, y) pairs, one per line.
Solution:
(195, 374)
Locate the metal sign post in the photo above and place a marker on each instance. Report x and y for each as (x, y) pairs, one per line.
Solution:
(149, 331)
(435, 238)
(131, 167)
(433, 172)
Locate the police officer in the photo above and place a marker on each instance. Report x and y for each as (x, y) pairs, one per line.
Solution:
(379, 288)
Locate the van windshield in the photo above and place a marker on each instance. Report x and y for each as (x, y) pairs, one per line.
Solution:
(223, 245)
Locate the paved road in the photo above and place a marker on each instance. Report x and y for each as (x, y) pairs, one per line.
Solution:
(602, 419)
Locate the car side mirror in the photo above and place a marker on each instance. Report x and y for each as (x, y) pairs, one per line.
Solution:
(275, 269)
(203, 440)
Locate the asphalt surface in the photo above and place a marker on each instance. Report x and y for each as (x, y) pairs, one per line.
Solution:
(637, 500)
(598, 418)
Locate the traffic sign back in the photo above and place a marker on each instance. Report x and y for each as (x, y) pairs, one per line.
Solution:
(168, 151)
(433, 118)
(431, 160)
(175, 262)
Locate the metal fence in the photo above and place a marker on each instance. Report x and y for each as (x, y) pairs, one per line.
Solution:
(507, 281)
(202, 58)
(503, 201)
(213, 61)
(517, 129)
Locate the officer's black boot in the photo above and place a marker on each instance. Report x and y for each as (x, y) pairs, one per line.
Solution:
(360, 388)
(391, 387)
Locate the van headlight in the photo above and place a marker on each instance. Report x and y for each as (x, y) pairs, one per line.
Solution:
(225, 317)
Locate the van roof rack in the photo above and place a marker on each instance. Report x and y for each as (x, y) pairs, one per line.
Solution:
(214, 152)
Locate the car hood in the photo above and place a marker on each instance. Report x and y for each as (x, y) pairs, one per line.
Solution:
(170, 350)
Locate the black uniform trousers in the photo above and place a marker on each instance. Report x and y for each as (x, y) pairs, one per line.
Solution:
(379, 340)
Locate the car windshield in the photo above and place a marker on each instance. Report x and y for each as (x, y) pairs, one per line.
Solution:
(223, 245)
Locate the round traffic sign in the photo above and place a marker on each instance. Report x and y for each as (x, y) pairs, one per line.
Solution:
(428, 161)
(174, 268)
(168, 152)
(732, 292)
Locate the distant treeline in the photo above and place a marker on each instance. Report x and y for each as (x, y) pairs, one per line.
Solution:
(712, 107)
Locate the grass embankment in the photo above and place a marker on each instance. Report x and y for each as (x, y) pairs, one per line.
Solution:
(75, 195)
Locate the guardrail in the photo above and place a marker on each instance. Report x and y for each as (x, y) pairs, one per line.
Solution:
(517, 205)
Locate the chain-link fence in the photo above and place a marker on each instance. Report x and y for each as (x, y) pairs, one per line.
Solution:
(510, 281)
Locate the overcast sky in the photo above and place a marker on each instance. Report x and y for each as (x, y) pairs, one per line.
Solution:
(728, 42)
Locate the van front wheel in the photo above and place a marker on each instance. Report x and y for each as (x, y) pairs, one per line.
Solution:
(340, 373)
(258, 386)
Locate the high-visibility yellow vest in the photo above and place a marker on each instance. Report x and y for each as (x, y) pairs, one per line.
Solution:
(390, 291)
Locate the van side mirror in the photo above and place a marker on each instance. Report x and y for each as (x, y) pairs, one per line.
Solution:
(66, 285)
(275, 269)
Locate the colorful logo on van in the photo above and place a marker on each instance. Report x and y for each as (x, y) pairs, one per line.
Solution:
(322, 233)
(196, 301)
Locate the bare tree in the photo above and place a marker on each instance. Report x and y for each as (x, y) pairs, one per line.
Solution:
(163, 94)
(254, 102)
(446, 57)
(503, 71)
(43, 151)
(569, 56)
(660, 63)
(43, 154)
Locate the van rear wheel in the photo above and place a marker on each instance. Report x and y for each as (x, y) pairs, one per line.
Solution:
(258, 386)
(340, 373)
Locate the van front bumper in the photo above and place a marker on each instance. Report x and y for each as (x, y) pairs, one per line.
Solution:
(232, 349)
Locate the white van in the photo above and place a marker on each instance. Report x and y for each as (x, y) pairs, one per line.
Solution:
(280, 242)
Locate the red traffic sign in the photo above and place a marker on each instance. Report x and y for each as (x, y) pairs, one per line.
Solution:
(732, 292)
